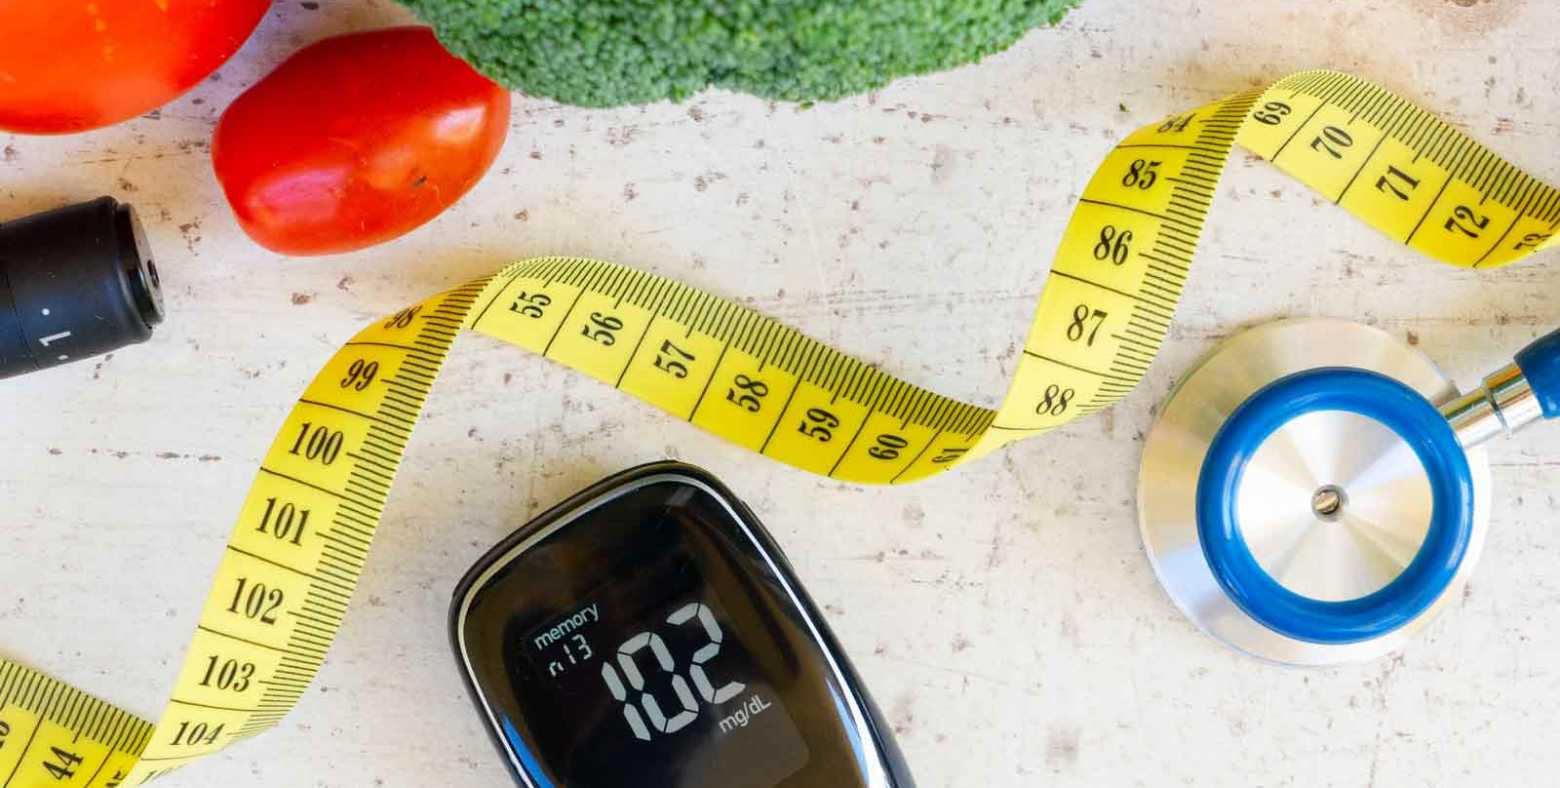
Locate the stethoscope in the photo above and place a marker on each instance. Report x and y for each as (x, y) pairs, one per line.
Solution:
(1315, 491)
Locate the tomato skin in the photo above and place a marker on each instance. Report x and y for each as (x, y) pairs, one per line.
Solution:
(74, 65)
(356, 140)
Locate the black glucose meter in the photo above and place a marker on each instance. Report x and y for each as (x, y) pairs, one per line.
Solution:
(649, 633)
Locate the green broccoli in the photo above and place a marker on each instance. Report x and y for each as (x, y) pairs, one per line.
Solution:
(602, 53)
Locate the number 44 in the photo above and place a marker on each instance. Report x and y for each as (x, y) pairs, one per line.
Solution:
(62, 764)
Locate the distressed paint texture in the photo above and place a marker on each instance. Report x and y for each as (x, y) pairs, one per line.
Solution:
(1004, 616)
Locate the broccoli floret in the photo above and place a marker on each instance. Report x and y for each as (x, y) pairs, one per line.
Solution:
(602, 53)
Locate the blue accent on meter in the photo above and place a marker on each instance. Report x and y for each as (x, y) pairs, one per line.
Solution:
(649, 633)
(528, 761)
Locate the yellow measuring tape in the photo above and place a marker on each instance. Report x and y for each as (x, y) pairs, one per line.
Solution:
(302, 538)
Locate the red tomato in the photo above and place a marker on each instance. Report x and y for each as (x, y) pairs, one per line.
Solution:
(357, 140)
(72, 65)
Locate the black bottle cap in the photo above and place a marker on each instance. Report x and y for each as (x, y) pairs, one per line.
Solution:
(75, 282)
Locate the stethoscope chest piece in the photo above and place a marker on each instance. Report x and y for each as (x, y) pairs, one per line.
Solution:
(1303, 499)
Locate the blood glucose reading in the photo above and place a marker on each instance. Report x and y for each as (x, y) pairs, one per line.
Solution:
(624, 674)
(671, 697)
(648, 634)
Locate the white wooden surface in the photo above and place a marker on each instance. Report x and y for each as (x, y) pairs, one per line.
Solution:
(1004, 616)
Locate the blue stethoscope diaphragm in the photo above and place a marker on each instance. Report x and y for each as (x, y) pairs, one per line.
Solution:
(1315, 491)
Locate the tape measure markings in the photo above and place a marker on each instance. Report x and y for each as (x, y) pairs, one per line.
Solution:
(283, 585)
(371, 436)
(1150, 296)
(1462, 160)
(54, 719)
(768, 342)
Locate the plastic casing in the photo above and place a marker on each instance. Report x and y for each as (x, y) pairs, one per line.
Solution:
(874, 743)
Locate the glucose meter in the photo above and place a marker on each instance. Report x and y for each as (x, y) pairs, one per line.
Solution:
(648, 632)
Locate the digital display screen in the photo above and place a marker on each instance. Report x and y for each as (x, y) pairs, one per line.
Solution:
(652, 687)
(647, 644)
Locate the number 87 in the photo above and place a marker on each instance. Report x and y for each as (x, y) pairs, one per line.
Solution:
(1078, 328)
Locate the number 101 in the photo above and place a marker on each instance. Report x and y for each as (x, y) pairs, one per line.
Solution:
(663, 658)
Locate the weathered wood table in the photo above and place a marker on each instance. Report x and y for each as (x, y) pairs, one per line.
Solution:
(1004, 616)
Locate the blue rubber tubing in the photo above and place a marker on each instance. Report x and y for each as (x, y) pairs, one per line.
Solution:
(1375, 397)
(1540, 364)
